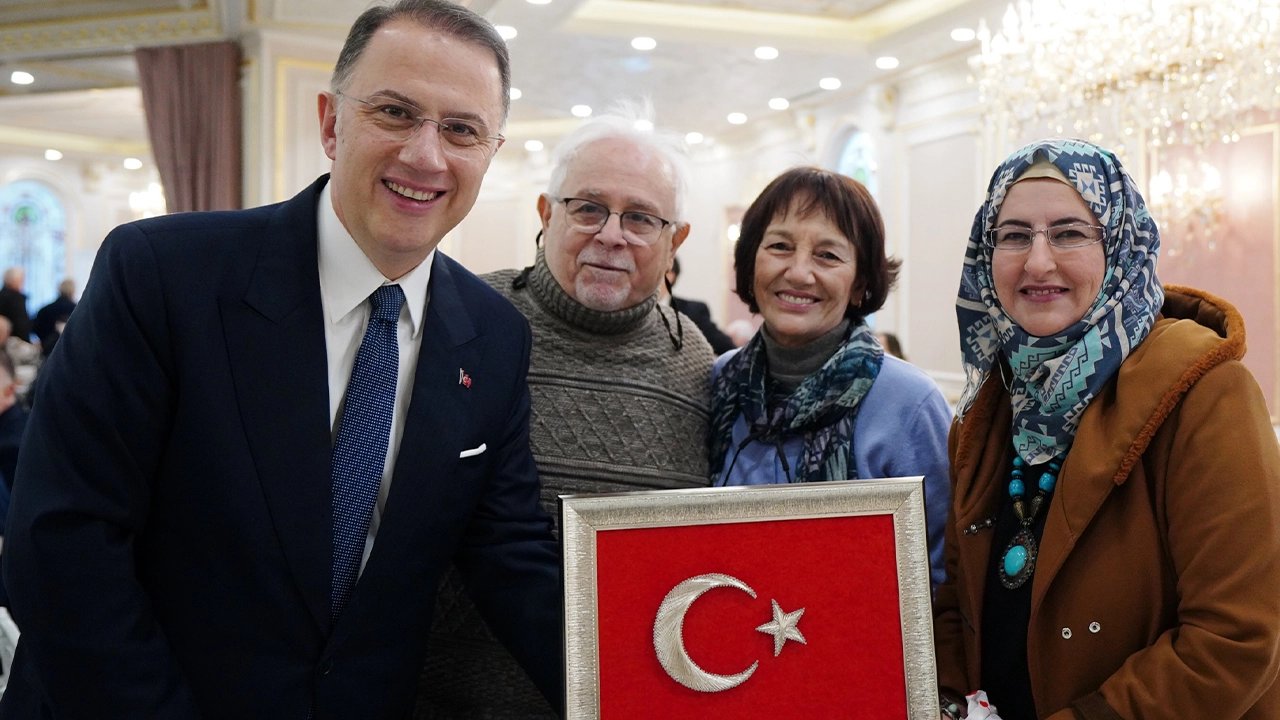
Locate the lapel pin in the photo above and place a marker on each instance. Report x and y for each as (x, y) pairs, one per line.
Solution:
(464, 379)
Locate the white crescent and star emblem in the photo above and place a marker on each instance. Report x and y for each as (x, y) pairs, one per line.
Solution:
(668, 633)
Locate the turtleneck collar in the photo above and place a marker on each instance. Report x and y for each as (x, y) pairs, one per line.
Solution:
(547, 291)
(789, 366)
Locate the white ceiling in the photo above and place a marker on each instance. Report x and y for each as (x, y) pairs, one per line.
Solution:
(567, 52)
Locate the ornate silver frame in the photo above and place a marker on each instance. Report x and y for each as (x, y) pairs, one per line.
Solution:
(583, 515)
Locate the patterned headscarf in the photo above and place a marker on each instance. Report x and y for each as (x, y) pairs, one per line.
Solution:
(1054, 378)
(822, 409)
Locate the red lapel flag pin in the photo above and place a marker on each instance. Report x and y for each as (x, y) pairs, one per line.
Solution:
(464, 379)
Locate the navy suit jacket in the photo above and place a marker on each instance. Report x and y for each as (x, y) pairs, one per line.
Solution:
(169, 548)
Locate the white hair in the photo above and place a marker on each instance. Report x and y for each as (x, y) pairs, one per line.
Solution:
(631, 121)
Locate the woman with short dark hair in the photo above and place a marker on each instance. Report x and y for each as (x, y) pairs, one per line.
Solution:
(812, 396)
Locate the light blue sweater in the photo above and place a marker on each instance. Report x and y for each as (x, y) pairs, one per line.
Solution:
(901, 430)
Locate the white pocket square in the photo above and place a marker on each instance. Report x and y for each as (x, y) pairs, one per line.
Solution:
(473, 451)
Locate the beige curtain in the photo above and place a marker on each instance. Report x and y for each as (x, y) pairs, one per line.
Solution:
(191, 94)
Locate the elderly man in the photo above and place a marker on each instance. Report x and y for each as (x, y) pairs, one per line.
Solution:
(619, 381)
(245, 513)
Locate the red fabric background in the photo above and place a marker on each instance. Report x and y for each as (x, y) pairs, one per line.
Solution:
(841, 570)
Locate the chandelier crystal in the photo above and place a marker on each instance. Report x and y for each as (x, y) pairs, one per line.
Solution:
(1160, 72)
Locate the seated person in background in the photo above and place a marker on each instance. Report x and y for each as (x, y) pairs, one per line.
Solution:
(13, 420)
(24, 359)
(812, 396)
(891, 344)
(698, 312)
(1114, 548)
(620, 392)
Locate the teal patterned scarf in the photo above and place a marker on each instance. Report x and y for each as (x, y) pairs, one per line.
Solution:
(1055, 378)
(822, 409)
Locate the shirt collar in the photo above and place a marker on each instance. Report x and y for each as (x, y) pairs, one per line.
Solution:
(348, 277)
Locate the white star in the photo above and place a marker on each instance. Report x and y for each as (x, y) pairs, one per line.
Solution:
(783, 628)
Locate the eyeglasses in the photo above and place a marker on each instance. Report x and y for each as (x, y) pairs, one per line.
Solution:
(1019, 238)
(400, 121)
(589, 216)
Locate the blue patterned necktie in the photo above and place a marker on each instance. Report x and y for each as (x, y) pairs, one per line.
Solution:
(360, 450)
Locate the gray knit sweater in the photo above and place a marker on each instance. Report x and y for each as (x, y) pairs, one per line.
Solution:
(614, 407)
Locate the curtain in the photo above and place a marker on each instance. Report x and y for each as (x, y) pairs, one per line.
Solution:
(191, 95)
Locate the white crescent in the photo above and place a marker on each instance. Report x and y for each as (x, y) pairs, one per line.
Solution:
(668, 635)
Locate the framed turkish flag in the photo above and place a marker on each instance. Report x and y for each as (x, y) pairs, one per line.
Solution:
(808, 600)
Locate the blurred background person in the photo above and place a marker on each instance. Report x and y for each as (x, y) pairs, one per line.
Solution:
(50, 319)
(696, 311)
(891, 344)
(740, 331)
(24, 361)
(813, 396)
(1114, 548)
(13, 303)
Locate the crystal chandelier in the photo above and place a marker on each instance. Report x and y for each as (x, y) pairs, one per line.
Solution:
(1159, 72)
(1188, 201)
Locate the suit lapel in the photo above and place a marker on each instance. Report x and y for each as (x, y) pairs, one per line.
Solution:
(275, 340)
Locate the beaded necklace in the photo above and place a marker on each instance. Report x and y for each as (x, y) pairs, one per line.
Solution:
(1019, 559)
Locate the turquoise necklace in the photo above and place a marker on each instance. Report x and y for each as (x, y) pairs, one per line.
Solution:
(1019, 559)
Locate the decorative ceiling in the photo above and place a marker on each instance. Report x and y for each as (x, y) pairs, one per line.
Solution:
(565, 53)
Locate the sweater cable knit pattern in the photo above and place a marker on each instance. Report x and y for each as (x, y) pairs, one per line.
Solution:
(615, 408)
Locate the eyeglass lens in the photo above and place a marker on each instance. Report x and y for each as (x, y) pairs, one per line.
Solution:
(1063, 236)
(401, 122)
(589, 216)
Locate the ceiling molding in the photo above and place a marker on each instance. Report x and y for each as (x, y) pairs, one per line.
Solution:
(625, 17)
(110, 33)
(71, 143)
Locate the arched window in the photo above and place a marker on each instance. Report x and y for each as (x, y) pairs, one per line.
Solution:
(858, 160)
(33, 229)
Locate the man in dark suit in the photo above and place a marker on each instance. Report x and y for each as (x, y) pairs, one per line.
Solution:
(698, 312)
(174, 542)
(49, 320)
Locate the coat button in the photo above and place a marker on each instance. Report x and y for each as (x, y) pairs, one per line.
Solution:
(1094, 626)
(326, 667)
(1066, 633)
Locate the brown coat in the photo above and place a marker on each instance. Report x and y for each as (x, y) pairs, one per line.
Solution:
(1157, 590)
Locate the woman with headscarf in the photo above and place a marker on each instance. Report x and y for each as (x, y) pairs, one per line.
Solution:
(1113, 550)
(812, 396)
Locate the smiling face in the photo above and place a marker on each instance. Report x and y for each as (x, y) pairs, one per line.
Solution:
(398, 199)
(1045, 289)
(804, 275)
(603, 270)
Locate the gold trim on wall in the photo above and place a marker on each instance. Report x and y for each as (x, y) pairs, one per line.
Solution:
(281, 112)
(47, 38)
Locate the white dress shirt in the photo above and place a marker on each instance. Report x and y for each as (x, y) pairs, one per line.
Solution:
(347, 279)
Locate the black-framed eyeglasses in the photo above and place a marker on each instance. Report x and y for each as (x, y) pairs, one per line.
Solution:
(400, 121)
(1019, 238)
(589, 216)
